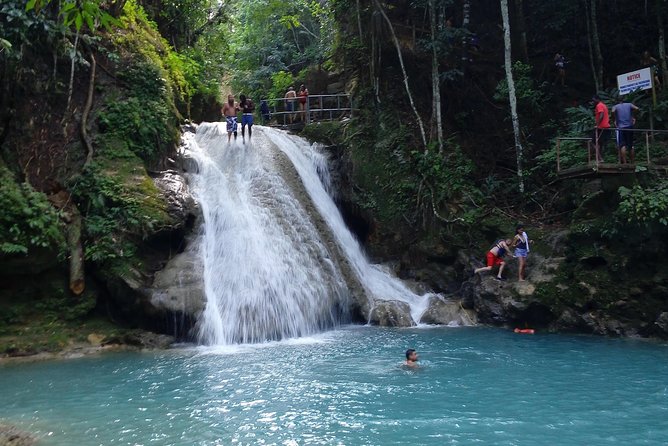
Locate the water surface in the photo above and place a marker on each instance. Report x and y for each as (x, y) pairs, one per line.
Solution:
(346, 387)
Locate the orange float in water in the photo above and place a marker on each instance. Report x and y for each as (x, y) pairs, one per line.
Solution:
(524, 330)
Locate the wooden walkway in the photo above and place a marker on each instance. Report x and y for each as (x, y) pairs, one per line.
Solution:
(596, 170)
(590, 168)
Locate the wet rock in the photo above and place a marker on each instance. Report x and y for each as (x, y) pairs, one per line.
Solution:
(335, 87)
(179, 286)
(13, 436)
(391, 313)
(181, 205)
(142, 339)
(441, 311)
(662, 323)
(496, 302)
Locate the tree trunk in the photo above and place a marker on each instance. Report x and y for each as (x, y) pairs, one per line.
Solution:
(70, 89)
(521, 24)
(435, 77)
(77, 282)
(86, 112)
(597, 84)
(70, 215)
(359, 21)
(466, 14)
(380, 9)
(662, 43)
(511, 90)
(596, 42)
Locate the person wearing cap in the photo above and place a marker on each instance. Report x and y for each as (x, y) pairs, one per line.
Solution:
(521, 243)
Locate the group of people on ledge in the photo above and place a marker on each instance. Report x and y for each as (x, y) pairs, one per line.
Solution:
(497, 253)
(246, 106)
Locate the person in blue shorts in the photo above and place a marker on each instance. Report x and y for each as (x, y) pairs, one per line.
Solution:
(521, 243)
(624, 120)
(247, 108)
(230, 110)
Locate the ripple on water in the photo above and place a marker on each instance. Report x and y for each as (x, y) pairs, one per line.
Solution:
(346, 387)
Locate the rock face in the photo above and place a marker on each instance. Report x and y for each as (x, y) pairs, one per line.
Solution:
(166, 294)
(179, 287)
(391, 313)
(443, 311)
(181, 205)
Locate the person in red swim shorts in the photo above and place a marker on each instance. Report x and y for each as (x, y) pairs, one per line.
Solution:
(495, 258)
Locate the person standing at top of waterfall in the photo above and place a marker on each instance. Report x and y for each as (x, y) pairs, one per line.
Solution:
(290, 96)
(495, 258)
(230, 110)
(602, 130)
(303, 97)
(247, 109)
(521, 244)
(624, 121)
(411, 358)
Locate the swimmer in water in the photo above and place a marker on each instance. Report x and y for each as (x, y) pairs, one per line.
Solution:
(411, 358)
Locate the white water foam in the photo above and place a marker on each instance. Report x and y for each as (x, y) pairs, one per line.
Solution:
(378, 282)
(268, 274)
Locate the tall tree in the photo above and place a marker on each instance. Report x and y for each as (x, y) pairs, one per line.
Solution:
(596, 41)
(662, 40)
(435, 75)
(590, 44)
(511, 90)
(397, 45)
(522, 26)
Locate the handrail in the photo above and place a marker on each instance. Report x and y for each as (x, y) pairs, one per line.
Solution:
(648, 133)
(315, 104)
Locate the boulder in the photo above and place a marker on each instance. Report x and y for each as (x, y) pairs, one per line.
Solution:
(391, 313)
(442, 311)
(181, 205)
(662, 323)
(179, 286)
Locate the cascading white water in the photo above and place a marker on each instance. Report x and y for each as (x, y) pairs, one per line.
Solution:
(377, 281)
(268, 273)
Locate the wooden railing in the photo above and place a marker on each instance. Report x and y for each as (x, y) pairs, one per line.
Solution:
(322, 107)
(594, 155)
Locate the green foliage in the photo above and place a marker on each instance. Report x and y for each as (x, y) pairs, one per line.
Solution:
(280, 82)
(117, 208)
(78, 13)
(402, 185)
(644, 206)
(27, 220)
(448, 183)
(531, 98)
(273, 36)
(155, 76)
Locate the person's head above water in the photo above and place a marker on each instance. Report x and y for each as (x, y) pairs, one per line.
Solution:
(411, 355)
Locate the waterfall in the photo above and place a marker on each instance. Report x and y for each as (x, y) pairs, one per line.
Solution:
(378, 282)
(269, 271)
